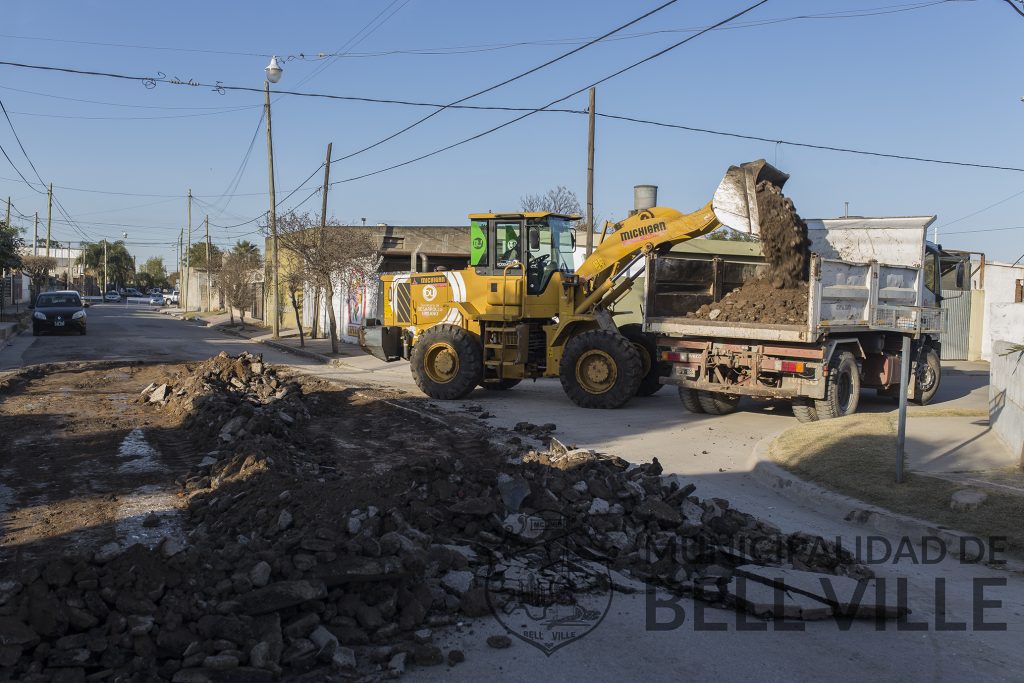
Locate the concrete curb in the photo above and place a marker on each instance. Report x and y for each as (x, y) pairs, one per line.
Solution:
(788, 485)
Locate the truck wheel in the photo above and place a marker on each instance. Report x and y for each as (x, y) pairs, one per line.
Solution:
(715, 403)
(653, 369)
(690, 401)
(803, 409)
(600, 369)
(502, 385)
(842, 393)
(446, 362)
(927, 376)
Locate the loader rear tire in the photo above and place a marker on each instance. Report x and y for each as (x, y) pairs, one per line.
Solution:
(600, 369)
(842, 393)
(715, 403)
(803, 409)
(447, 362)
(653, 369)
(690, 401)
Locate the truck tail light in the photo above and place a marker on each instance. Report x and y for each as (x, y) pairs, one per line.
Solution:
(674, 356)
(792, 366)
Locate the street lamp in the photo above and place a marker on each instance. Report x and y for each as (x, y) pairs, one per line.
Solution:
(274, 72)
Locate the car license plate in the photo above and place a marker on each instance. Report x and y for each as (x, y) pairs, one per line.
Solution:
(58, 323)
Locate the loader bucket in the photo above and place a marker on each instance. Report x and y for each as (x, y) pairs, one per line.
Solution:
(735, 201)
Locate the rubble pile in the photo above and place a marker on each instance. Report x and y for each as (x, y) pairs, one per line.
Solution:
(777, 296)
(301, 572)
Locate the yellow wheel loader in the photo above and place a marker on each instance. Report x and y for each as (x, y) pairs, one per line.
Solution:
(522, 311)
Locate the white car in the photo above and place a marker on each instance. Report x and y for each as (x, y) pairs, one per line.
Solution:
(157, 300)
(112, 297)
(172, 298)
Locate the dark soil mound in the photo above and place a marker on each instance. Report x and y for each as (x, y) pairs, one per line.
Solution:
(783, 237)
(759, 301)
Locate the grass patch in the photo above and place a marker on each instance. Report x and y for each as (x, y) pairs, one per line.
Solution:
(927, 411)
(856, 456)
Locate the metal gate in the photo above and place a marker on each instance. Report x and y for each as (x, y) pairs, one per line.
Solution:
(957, 324)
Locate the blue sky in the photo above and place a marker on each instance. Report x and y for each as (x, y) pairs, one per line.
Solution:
(942, 81)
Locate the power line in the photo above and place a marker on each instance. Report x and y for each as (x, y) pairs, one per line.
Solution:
(518, 76)
(621, 71)
(1016, 9)
(965, 232)
(318, 56)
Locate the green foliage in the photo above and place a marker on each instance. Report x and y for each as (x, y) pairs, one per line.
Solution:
(197, 256)
(152, 273)
(10, 242)
(730, 235)
(120, 268)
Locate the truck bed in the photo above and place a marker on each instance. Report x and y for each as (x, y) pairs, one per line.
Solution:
(843, 297)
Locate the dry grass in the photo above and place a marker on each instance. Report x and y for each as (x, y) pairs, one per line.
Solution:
(927, 411)
(856, 456)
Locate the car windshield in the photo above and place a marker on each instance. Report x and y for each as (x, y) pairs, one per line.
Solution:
(54, 300)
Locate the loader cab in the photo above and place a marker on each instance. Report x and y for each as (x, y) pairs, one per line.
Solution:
(534, 244)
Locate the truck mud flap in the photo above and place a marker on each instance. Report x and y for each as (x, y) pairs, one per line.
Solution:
(382, 341)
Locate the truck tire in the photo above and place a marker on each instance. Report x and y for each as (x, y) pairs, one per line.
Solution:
(927, 377)
(600, 369)
(842, 392)
(715, 403)
(653, 369)
(803, 409)
(447, 362)
(502, 385)
(690, 401)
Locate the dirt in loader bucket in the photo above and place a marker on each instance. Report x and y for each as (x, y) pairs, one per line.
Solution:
(778, 294)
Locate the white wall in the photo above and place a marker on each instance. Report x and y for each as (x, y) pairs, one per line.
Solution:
(1000, 279)
(1006, 395)
(352, 305)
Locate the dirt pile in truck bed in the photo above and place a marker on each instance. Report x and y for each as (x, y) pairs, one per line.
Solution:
(778, 295)
(326, 554)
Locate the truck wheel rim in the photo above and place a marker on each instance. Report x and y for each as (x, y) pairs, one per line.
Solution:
(596, 371)
(926, 377)
(441, 362)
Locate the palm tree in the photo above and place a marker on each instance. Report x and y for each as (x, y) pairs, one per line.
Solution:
(245, 247)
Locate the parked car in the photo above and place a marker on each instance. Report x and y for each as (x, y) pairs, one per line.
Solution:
(59, 312)
(131, 291)
(157, 300)
(112, 297)
(173, 297)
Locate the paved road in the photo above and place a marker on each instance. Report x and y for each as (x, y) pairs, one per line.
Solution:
(713, 453)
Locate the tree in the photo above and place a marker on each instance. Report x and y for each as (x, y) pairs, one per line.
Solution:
(120, 267)
(38, 270)
(246, 247)
(329, 256)
(559, 200)
(197, 256)
(152, 273)
(236, 278)
(10, 256)
(730, 235)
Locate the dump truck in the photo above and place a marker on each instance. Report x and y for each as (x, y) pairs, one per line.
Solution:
(871, 282)
(522, 311)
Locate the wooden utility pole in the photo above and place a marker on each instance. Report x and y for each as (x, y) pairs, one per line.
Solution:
(35, 237)
(181, 236)
(105, 267)
(323, 226)
(49, 216)
(273, 220)
(209, 289)
(188, 253)
(590, 172)
(7, 222)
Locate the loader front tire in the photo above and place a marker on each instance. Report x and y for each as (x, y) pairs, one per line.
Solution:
(447, 362)
(653, 369)
(600, 369)
(690, 400)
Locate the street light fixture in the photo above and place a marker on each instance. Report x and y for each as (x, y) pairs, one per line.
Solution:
(274, 72)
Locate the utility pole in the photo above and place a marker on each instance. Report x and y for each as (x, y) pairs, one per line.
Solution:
(8, 219)
(273, 219)
(590, 172)
(209, 289)
(35, 237)
(188, 252)
(105, 267)
(323, 226)
(49, 216)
